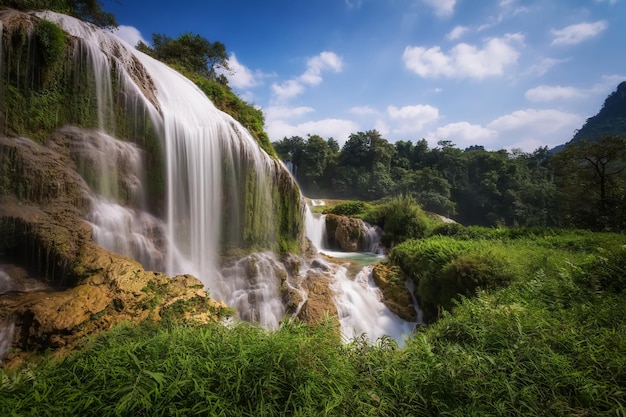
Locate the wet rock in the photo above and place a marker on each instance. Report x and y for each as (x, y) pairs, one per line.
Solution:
(396, 296)
(346, 233)
(320, 303)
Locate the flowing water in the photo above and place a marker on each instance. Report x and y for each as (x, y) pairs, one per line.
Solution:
(359, 302)
(209, 160)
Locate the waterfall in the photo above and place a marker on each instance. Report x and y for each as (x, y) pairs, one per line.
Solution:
(374, 233)
(361, 310)
(212, 166)
(315, 228)
(218, 192)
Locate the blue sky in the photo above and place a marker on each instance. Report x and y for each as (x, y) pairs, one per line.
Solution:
(498, 73)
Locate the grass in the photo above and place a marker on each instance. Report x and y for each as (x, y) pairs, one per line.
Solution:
(552, 342)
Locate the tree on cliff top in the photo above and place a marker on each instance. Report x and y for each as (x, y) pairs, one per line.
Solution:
(191, 51)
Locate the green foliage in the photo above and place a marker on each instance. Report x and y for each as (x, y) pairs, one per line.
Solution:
(592, 181)
(348, 208)
(444, 268)
(87, 10)
(191, 51)
(548, 344)
(401, 219)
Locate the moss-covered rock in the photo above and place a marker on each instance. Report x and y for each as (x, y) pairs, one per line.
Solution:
(396, 296)
(346, 233)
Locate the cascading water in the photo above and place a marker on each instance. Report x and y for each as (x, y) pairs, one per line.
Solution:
(359, 302)
(213, 165)
(361, 310)
(315, 228)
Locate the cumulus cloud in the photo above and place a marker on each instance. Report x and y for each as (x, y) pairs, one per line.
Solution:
(545, 93)
(410, 119)
(457, 33)
(322, 62)
(325, 61)
(464, 60)
(280, 112)
(130, 35)
(287, 90)
(442, 8)
(527, 129)
(241, 76)
(580, 32)
(463, 134)
(363, 111)
(338, 129)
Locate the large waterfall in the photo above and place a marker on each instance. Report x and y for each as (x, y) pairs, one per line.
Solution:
(219, 192)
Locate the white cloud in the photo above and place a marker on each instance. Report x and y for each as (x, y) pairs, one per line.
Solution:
(322, 62)
(611, 2)
(578, 33)
(241, 76)
(338, 129)
(464, 60)
(354, 4)
(410, 119)
(325, 61)
(363, 111)
(130, 35)
(463, 134)
(287, 90)
(442, 8)
(527, 129)
(543, 66)
(545, 93)
(280, 112)
(457, 32)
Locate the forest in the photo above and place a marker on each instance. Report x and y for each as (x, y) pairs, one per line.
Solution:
(580, 186)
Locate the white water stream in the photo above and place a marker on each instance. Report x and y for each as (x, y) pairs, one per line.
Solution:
(359, 302)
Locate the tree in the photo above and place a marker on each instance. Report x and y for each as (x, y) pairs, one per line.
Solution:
(290, 150)
(88, 10)
(591, 182)
(191, 51)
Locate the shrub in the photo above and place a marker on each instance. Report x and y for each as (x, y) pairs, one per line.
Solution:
(449, 229)
(349, 208)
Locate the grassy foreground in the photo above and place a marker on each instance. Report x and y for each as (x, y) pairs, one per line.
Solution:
(551, 342)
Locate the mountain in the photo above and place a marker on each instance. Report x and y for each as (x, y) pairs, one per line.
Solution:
(610, 120)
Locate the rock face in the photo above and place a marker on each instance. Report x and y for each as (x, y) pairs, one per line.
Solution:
(82, 288)
(346, 233)
(396, 295)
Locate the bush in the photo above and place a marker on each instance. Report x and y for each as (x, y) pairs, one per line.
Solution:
(462, 276)
(349, 208)
(402, 219)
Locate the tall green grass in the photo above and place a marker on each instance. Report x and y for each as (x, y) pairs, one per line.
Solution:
(551, 342)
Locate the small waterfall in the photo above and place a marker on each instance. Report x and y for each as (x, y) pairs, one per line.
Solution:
(315, 228)
(361, 310)
(253, 288)
(374, 233)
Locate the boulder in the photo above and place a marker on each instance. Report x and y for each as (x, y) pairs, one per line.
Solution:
(346, 233)
(396, 296)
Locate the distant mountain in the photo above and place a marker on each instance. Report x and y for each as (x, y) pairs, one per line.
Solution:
(610, 120)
